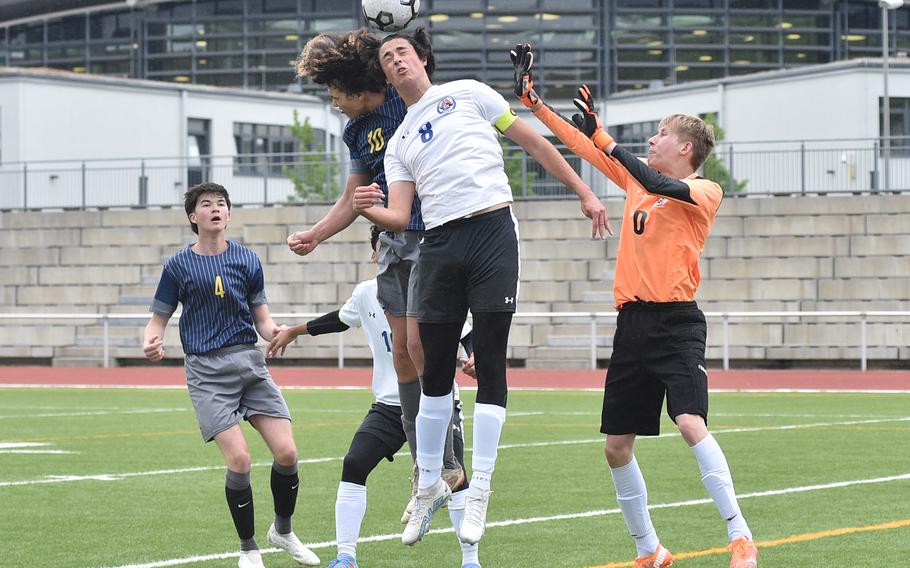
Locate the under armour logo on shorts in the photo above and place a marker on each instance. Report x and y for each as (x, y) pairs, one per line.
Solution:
(510, 299)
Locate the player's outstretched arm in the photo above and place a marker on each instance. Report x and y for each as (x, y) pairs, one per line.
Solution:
(153, 337)
(562, 127)
(284, 338)
(549, 157)
(339, 218)
(395, 217)
(265, 325)
(589, 123)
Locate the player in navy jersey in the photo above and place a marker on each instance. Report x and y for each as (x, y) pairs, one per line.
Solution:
(221, 286)
(341, 63)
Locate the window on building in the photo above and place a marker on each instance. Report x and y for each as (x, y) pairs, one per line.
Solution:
(262, 149)
(635, 135)
(900, 124)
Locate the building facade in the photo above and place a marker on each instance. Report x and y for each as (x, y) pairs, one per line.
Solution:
(612, 45)
(69, 140)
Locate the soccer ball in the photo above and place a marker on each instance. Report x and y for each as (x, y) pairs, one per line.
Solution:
(390, 15)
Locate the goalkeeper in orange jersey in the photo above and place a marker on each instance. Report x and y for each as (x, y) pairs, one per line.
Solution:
(659, 344)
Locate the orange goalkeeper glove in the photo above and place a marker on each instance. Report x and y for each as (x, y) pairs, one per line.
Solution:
(523, 59)
(587, 120)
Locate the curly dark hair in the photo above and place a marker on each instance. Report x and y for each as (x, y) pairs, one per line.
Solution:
(422, 43)
(342, 61)
(191, 197)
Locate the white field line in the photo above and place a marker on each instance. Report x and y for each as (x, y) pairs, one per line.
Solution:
(546, 519)
(119, 476)
(29, 448)
(94, 413)
(724, 414)
(37, 452)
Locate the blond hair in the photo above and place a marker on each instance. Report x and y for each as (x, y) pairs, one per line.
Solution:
(695, 130)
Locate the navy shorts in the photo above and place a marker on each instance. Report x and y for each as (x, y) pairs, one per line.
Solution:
(658, 349)
(469, 263)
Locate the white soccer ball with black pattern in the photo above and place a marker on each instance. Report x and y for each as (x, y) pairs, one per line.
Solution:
(390, 15)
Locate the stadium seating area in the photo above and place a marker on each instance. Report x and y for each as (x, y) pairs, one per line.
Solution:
(849, 252)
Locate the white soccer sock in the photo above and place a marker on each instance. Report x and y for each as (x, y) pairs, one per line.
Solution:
(632, 496)
(469, 553)
(350, 506)
(715, 476)
(432, 423)
(488, 421)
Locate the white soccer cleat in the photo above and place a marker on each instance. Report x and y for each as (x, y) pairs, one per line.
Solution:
(409, 508)
(292, 545)
(250, 559)
(475, 515)
(425, 504)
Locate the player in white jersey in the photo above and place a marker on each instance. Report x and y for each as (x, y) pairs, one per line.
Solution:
(381, 434)
(446, 152)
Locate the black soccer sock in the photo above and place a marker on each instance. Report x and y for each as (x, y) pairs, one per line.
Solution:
(491, 340)
(240, 501)
(440, 350)
(285, 483)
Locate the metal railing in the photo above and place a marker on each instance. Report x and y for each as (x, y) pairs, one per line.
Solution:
(594, 319)
(742, 168)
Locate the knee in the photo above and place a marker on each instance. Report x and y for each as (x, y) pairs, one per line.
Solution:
(286, 454)
(617, 454)
(355, 468)
(415, 348)
(400, 355)
(692, 428)
(238, 461)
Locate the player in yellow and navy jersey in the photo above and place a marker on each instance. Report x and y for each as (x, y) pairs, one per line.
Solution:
(220, 285)
(659, 345)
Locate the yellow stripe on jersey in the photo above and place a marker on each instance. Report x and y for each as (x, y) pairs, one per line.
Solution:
(505, 121)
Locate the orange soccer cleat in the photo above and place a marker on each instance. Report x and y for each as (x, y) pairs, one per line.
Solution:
(745, 553)
(661, 558)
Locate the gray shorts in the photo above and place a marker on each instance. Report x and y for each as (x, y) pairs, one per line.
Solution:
(228, 384)
(396, 274)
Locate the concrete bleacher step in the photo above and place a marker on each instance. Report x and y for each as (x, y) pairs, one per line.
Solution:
(137, 300)
(598, 297)
(98, 341)
(78, 356)
(580, 341)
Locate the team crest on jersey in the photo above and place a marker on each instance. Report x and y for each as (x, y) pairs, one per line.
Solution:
(445, 105)
(660, 202)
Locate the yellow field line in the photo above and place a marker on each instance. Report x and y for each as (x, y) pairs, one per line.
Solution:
(778, 542)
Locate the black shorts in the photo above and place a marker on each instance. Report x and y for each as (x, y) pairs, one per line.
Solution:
(468, 264)
(384, 422)
(658, 348)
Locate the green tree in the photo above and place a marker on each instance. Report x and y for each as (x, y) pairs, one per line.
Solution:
(514, 159)
(713, 168)
(313, 173)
